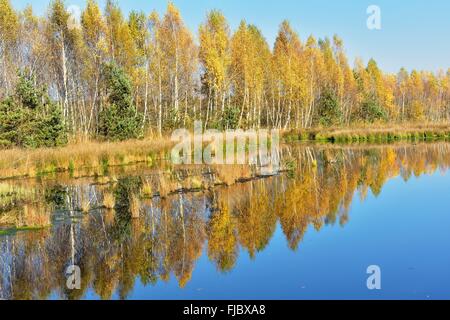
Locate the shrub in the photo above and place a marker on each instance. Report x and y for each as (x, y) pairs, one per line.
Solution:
(109, 202)
(119, 120)
(329, 111)
(30, 119)
(304, 136)
(229, 119)
(321, 137)
(363, 137)
(429, 135)
(372, 111)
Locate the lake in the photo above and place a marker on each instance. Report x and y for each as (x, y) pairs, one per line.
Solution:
(309, 231)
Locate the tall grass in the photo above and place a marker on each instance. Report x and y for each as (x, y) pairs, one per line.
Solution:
(80, 159)
(85, 204)
(372, 133)
(109, 201)
(135, 206)
(31, 215)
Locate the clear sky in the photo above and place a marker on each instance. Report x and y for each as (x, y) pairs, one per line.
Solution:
(414, 34)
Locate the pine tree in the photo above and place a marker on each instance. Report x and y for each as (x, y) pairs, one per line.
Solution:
(330, 113)
(30, 119)
(120, 119)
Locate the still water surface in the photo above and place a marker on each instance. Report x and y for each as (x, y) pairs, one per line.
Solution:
(308, 232)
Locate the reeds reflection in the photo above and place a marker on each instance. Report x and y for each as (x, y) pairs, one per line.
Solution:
(148, 227)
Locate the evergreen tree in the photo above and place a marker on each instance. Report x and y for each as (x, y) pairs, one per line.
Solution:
(330, 113)
(29, 119)
(372, 111)
(229, 120)
(120, 119)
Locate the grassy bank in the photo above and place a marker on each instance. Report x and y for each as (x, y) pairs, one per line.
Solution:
(28, 204)
(90, 158)
(14, 230)
(80, 159)
(372, 134)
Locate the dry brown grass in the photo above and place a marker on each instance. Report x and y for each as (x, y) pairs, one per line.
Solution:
(85, 204)
(7, 218)
(167, 185)
(383, 128)
(109, 217)
(135, 206)
(368, 132)
(229, 174)
(33, 215)
(78, 157)
(109, 202)
(147, 189)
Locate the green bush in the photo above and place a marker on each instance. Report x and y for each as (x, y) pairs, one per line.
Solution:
(372, 111)
(429, 135)
(363, 137)
(304, 136)
(30, 119)
(321, 137)
(119, 120)
(229, 119)
(440, 135)
(329, 111)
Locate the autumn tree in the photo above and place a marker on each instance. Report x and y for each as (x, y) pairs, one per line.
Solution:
(379, 90)
(65, 47)
(315, 67)
(232, 79)
(180, 62)
(250, 72)
(156, 67)
(9, 30)
(140, 75)
(94, 35)
(215, 56)
(288, 69)
(120, 43)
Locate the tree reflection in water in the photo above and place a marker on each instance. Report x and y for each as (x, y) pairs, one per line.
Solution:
(114, 250)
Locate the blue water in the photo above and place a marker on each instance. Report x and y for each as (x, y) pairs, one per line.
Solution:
(405, 231)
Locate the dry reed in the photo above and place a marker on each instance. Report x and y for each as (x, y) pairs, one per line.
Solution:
(87, 158)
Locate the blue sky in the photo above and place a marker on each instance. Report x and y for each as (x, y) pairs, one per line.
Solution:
(414, 34)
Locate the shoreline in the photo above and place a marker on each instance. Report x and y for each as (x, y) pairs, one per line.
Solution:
(27, 199)
(93, 158)
(371, 134)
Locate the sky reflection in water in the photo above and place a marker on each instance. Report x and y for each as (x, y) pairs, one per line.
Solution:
(305, 234)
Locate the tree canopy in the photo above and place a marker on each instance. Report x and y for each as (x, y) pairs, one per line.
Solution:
(228, 78)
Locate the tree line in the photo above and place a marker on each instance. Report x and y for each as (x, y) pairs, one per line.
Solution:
(118, 77)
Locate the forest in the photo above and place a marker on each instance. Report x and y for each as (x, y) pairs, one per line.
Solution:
(116, 252)
(114, 77)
